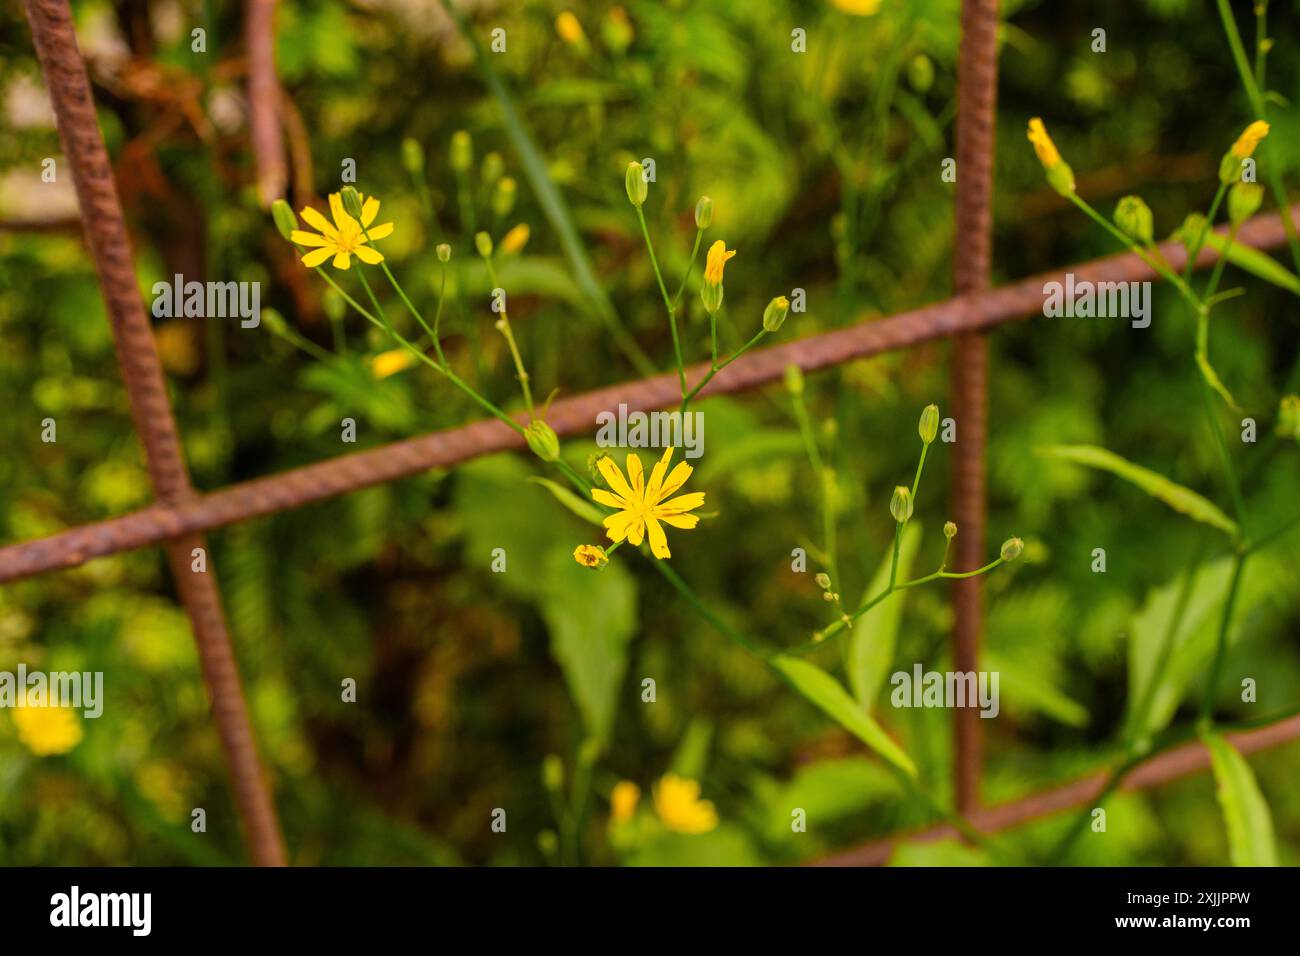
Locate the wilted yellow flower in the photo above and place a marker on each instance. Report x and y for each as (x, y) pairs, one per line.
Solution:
(623, 800)
(391, 362)
(342, 238)
(641, 505)
(1043, 145)
(857, 8)
(717, 260)
(516, 238)
(47, 730)
(678, 803)
(590, 556)
(1245, 145)
(569, 29)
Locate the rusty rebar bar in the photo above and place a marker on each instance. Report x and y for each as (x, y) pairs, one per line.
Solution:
(977, 83)
(106, 235)
(577, 415)
(1182, 761)
(264, 107)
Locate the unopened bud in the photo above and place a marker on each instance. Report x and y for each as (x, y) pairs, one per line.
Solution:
(285, 221)
(492, 168)
(542, 440)
(483, 243)
(704, 213)
(711, 296)
(351, 202)
(637, 187)
(900, 506)
(775, 313)
(413, 156)
(462, 151)
(950, 529)
(552, 772)
(794, 379)
(503, 197)
(823, 580)
(1244, 200)
(444, 252)
(1133, 216)
(928, 427)
(1011, 549)
(1288, 417)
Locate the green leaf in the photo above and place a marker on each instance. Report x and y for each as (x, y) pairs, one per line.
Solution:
(1250, 825)
(941, 853)
(1027, 686)
(827, 693)
(591, 617)
(583, 509)
(1176, 496)
(1255, 262)
(869, 650)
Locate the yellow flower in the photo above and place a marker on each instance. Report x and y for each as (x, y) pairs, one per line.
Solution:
(569, 29)
(1245, 145)
(623, 800)
(718, 256)
(858, 8)
(391, 362)
(47, 730)
(516, 238)
(343, 238)
(590, 556)
(678, 803)
(1043, 145)
(641, 505)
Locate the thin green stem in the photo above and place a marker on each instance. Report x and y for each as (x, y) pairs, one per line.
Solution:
(1221, 645)
(668, 303)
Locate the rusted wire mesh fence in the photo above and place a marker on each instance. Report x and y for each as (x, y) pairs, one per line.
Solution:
(181, 514)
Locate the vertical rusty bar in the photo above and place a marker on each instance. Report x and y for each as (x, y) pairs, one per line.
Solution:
(101, 214)
(264, 100)
(977, 81)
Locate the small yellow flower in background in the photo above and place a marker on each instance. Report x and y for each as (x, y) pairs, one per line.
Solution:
(857, 8)
(569, 29)
(47, 730)
(678, 803)
(1043, 145)
(343, 238)
(590, 556)
(623, 800)
(391, 362)
(516, 238)
(641, 505)
(717, 260)
(1245, 145)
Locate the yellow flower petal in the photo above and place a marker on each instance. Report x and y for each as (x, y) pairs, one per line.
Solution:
(319, 222)
(378, 232)
(609, 500)
(1245, 145)
(369, 256)
(304, 238)
(716, 261)
(317, 256)
(658, 540)
(341, 217)
(369, 210)
(1043, 145)
(683, 521)
(636, 475)
(680, 504)
(676, 478)
(636, 530)
(652, 488)
(343, 260)
(614, 478)
(619, 526)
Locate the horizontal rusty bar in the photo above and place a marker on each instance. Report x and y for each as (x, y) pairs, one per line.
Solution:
(577, 415)
(1181, 761)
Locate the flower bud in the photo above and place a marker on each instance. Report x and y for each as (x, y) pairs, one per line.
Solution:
(1011, 549)
(516, 238)
(285, 221)
(950, 529)
(351, 202)
(413, 156)
(1133, 216)
(462, 151)
(900, 506)
(590, 556)
(492, 168)
(1193, 226)
(543, 441)
(928, 427)
(1244, 200)
(552, 772)
(503, 197)
(483, 243)
(1288, 417)
(637, 187)
(920, 73)
(823, 580)
(1241, 150)
(704, 213)
(444, 252)
(711, 296)
(794, 379)
(775, 313)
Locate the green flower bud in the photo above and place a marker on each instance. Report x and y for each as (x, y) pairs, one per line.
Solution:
(552, 772)
(503, 197)
(352, 202)
(413, 156)
(704, 213)
(1061, 178)
(1192, 227)
(548, 843)
(823, 580)
(1288, 417)
(543, 441)
(900, 506)
(794, 379)
(493, 167)
(1134, 219)
(711, 296)
(1244, 200)
(775, 313)
(462, 151)
(483, 243)
(285, 220)
(1229, 168)
(637, 187)
(928, 426)
(950, 529)
(920, 73)
(1011, 549)
(444, 252)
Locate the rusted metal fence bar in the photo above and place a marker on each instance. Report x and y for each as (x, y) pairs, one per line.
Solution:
(977, 85)
(577, 415)
(106, 235)
(1182, 761)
